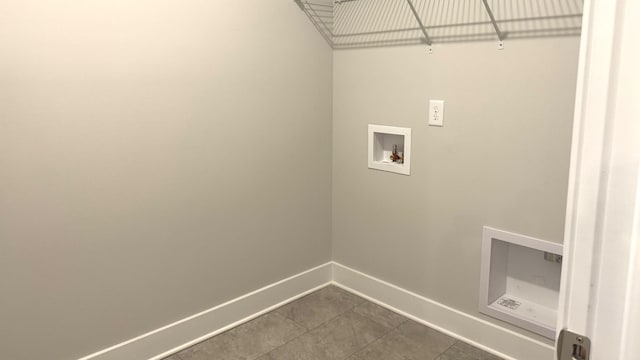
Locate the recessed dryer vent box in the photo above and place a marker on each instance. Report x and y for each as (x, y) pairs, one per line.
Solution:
(382, 142)
(520, 280)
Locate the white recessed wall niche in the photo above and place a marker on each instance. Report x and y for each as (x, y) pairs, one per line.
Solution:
(520, 280)
(389, 149)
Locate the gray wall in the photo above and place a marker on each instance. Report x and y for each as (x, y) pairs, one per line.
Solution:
(502, 158)
(156, 159)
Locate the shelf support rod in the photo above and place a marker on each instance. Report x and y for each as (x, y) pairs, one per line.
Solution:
(424, 30)
(495, 25)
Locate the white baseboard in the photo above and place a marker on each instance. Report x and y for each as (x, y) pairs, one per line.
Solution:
(172, 338)
(179, 335)
(475, 331)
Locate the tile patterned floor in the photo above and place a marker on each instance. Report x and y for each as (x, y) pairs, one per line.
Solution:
(332, 324)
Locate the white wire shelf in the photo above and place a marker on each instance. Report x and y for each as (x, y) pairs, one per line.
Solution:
(373, 23)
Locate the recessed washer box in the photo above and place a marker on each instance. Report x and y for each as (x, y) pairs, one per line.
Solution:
(382, 142)
(520, 280)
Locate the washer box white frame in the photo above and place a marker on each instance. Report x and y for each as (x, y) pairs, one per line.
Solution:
(517, 284)
(381, 140)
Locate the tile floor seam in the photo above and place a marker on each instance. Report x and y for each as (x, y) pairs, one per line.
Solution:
(328, 320)
(378, 339)
(290, 340)
(276, 313)
(445, 350)
(279, 346)
(369, 343)
(362, 300)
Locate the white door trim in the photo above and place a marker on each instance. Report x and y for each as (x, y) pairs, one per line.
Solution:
(600, 271)
(584, 195)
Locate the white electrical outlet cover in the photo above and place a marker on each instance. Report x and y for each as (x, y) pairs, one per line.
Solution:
(436, 113)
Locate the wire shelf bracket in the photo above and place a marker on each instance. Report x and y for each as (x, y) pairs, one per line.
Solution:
(424, 30)
(495, 25)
